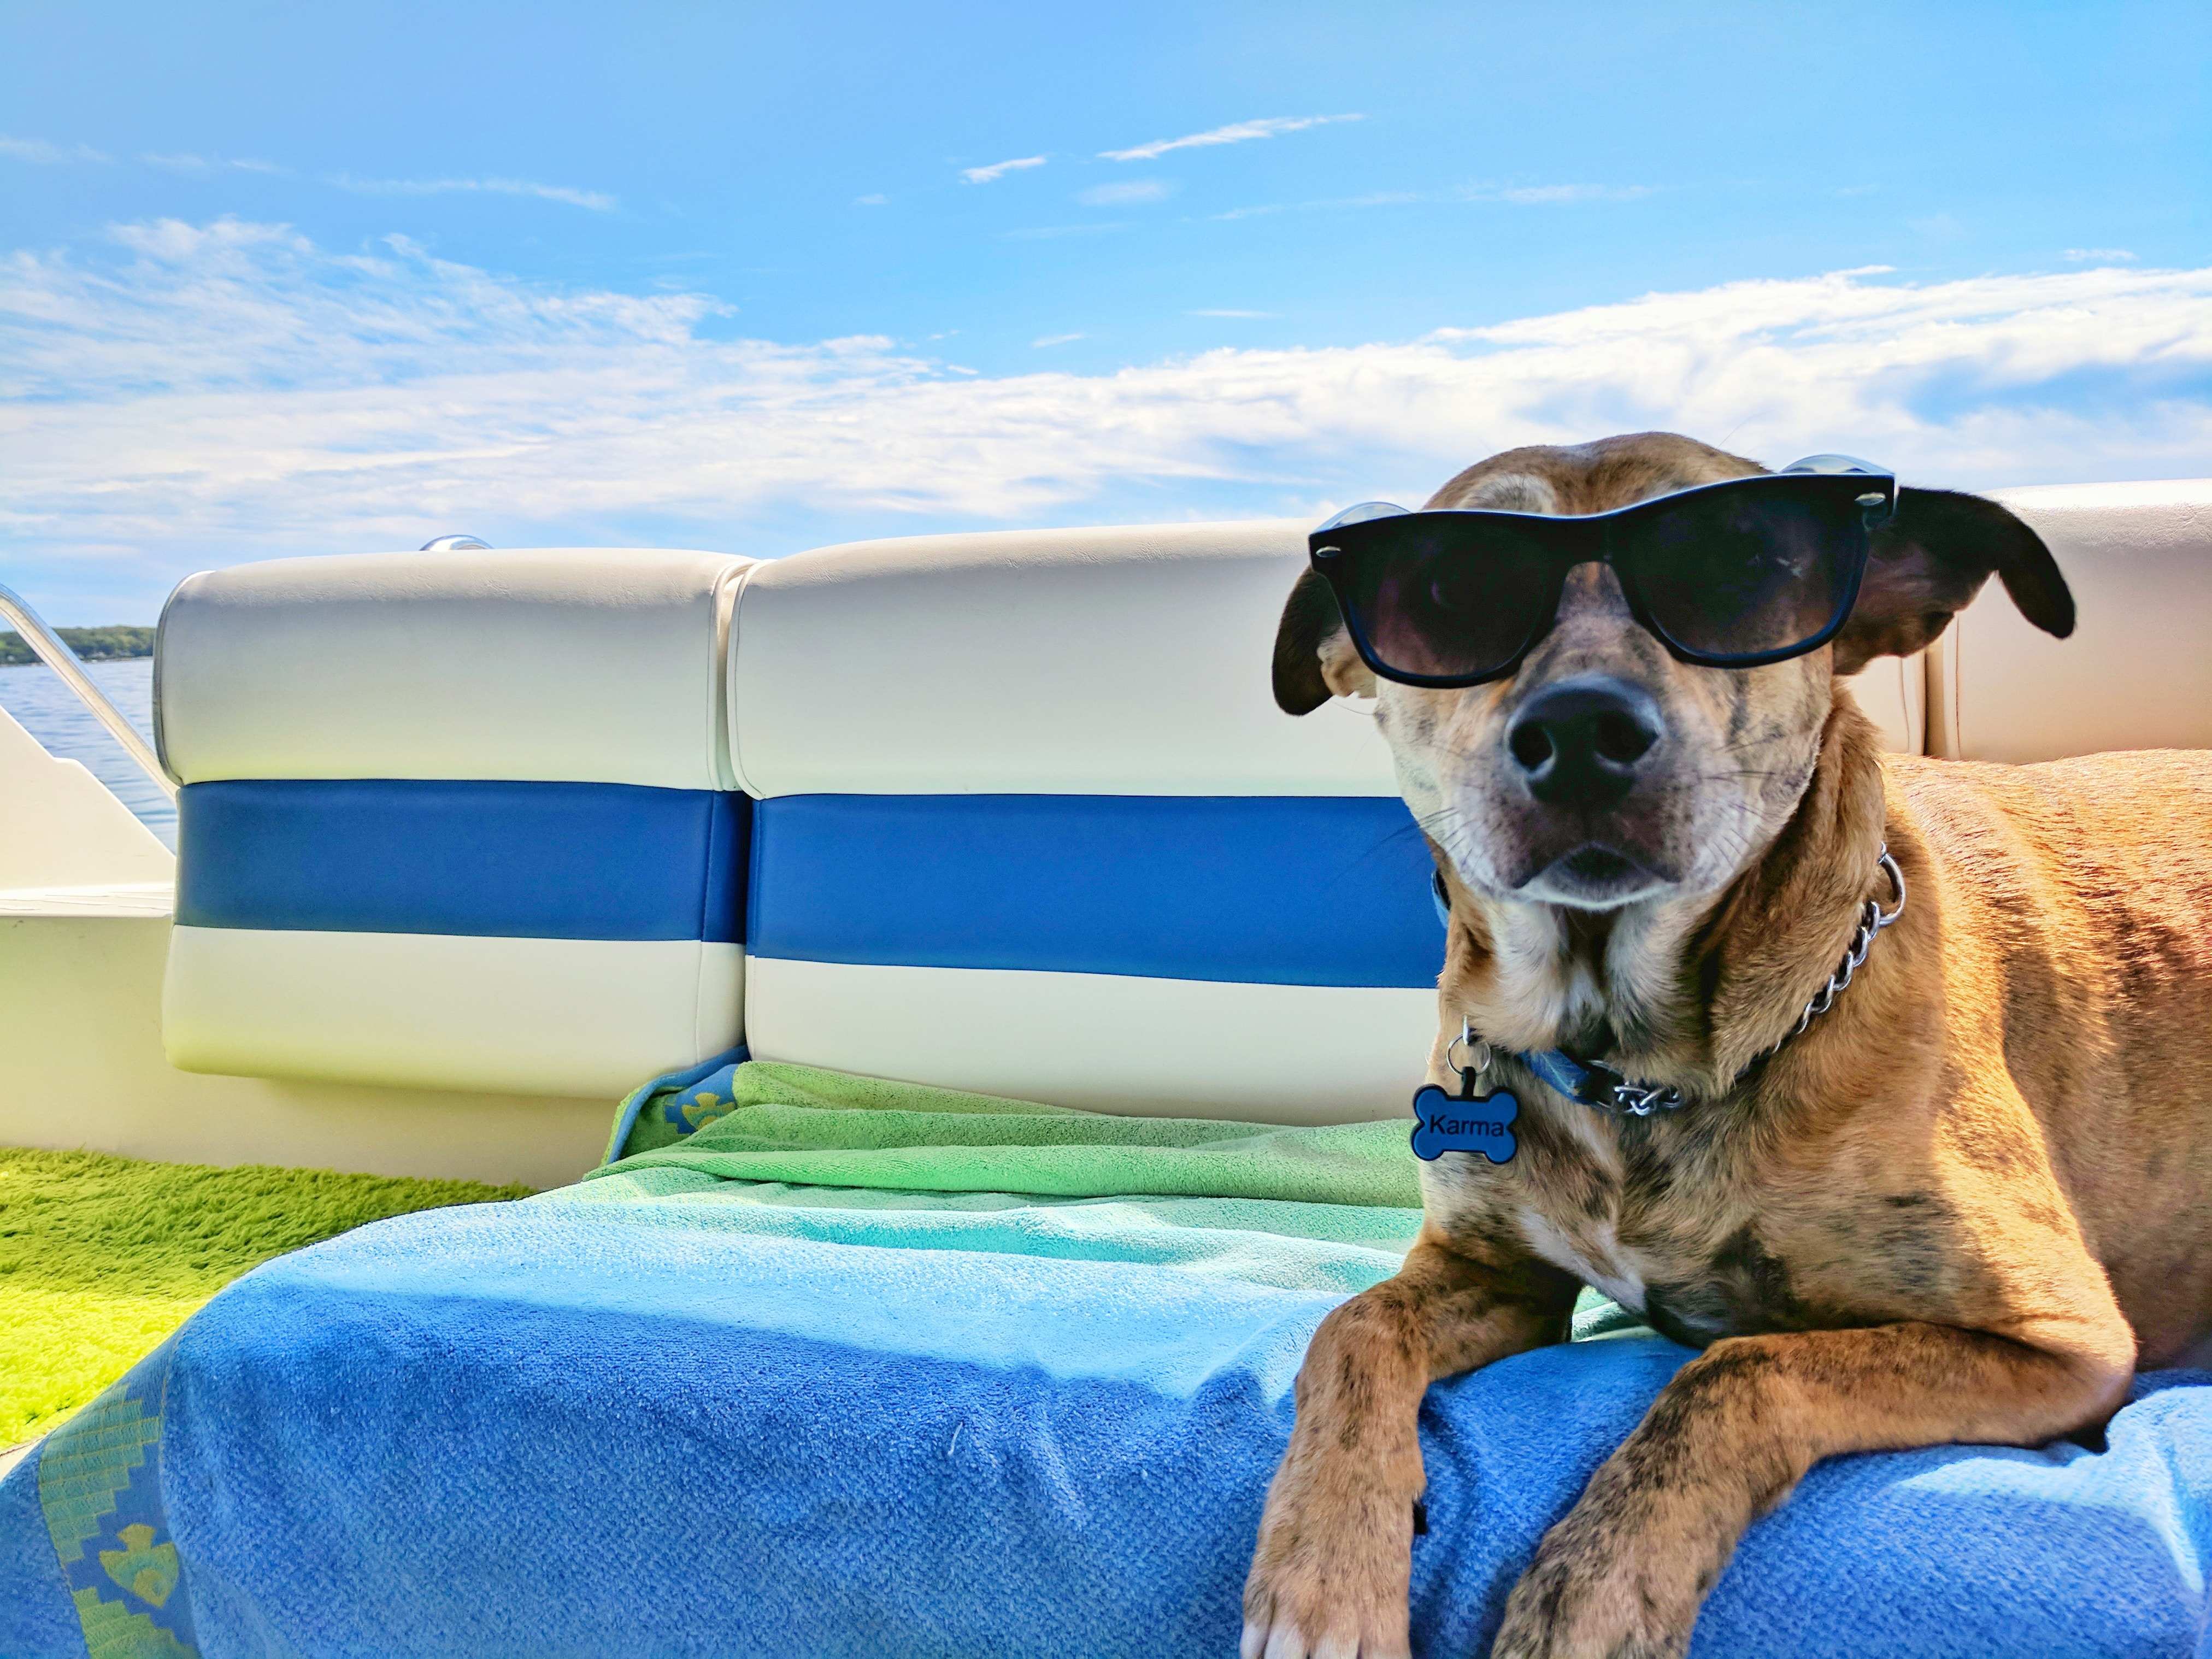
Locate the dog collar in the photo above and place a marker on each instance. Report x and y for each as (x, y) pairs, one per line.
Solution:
(1597, 1085)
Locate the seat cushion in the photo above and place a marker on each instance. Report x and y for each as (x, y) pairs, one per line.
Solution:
(455, 819)
(2135, 674)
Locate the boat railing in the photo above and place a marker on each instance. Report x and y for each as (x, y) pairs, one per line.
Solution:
(51, 649)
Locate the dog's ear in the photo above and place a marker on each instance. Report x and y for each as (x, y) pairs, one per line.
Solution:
(1930, 559)
(1314, 656)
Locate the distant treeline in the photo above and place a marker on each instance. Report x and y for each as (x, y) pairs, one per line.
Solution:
(93, 644)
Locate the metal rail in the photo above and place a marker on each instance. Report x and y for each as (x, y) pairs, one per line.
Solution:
(49, 649)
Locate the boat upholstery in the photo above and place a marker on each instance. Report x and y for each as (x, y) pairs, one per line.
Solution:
(1031, 824)
(1009, 812)
(455, 819)
(2135, 674)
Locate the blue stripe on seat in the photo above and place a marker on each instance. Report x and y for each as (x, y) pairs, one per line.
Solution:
(519, 860)
(1258, 889)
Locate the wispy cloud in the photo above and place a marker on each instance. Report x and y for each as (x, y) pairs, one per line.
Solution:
(1126, 192)
(40, 151)
(189, 393)
(1049, 232)
(44, 154)
(598, 201)
(870, 201)
(1377, 198)
(1938, 227)
(1547, 195)
(1513, 195)
(1055, 339)
(1214, 311)
(2102, 256)
(998, 170)
(1237, 133)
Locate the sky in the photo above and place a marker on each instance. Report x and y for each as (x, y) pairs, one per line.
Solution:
(278, 279)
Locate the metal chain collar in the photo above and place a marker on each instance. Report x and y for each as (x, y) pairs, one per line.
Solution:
(1616, 1093)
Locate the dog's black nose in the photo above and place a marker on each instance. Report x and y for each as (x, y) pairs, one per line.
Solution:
(1582, 742)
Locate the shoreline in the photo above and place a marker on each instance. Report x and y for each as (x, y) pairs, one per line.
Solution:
(114, 642)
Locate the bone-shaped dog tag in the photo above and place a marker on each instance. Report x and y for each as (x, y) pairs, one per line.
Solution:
(1464, 1123)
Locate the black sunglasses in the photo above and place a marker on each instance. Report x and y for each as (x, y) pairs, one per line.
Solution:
(1727, 575)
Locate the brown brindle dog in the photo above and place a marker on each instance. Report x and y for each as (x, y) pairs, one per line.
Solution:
(1963, 1205)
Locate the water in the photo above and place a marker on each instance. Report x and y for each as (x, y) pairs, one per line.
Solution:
(49, 712)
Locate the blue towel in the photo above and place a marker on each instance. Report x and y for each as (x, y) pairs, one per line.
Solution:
(590, 1428)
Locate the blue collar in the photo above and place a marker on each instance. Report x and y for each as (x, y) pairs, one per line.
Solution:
(1595, 1084)
(1589, 1081)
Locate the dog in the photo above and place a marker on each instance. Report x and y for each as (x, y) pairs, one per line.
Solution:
(1963, 1203)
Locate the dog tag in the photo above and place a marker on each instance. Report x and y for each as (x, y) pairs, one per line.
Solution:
(1464, 1123)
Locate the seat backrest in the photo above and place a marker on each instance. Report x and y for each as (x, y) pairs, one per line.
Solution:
(1029, 822)
(2135, 674)
(459, 819)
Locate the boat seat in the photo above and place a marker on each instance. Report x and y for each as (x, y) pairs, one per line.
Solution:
(1028, 822)
(455, 819)
(1012, 813)
(2135, 674)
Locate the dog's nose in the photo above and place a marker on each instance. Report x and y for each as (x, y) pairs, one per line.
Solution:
(1582, 742)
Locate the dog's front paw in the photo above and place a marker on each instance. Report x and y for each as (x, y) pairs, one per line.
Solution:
(1592, 1594)
(1329, 1577)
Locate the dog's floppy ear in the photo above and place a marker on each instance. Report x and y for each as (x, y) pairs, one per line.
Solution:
(1930, 559)
(1314, 656)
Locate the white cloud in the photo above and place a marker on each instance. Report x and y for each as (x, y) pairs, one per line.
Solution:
(1377, 198)
(870, 201)
(39, 150)
(1049, 232)
(1546, 194)
(1515, 195)
(1237, 132)
(1000, 169)
(1055, 339)
(2102, 256)
(598, 201)
(1132, 190)
(198, 393)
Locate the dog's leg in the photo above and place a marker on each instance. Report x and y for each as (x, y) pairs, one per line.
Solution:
(1623, 1573)
(1329, 1576)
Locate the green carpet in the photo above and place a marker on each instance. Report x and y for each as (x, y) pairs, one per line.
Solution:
(101, 1257)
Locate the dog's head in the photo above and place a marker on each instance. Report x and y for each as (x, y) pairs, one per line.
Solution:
(1604, 770)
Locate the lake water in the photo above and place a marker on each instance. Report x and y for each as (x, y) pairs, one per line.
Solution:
(49, 712)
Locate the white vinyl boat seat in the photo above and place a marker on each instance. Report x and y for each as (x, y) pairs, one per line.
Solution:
(1013, 814)
(455, 819)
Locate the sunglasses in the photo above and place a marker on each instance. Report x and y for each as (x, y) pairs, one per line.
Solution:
(1727, 575)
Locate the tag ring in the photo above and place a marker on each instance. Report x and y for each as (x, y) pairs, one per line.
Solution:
(1477, 1051)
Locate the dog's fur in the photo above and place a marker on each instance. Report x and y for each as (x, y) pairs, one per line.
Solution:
(1963, 1205)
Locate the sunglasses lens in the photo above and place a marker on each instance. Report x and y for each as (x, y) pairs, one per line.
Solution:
(1439, 601)
(1744, 573)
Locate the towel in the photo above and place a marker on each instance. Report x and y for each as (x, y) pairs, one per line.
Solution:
(695, 1406)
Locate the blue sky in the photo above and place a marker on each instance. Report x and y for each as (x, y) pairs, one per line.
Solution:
(280, 280)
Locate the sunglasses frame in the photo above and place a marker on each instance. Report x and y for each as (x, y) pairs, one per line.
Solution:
(1876, 500)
